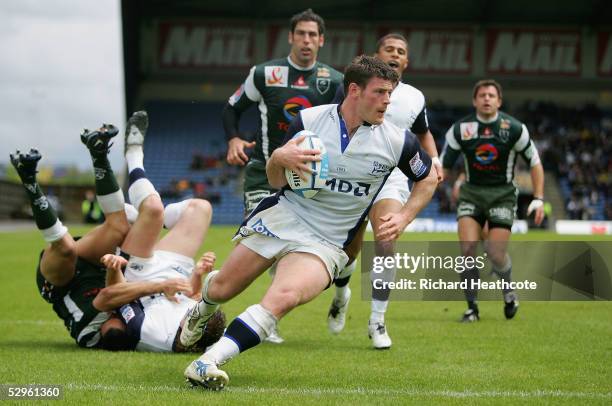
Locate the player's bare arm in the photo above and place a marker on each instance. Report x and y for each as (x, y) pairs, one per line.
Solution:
(429, 145)
(537, 204)
(292, 157)
(395, 223)
(119, 292)
(203, 267)
(114, 296)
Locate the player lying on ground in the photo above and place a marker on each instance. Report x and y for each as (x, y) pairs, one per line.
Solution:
(69, 274)
(152, 323)
(305, 237)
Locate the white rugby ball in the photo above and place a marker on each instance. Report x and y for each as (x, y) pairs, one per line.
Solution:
(317, 179)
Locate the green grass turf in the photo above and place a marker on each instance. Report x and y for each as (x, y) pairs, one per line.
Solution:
(552, 353)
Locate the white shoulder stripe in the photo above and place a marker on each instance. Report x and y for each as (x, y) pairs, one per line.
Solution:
(523, 141)
(451, 142)
(249, 87)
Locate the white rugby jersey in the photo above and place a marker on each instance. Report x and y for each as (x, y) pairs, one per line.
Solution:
(154, 321)
(357, 171)
(407, 109)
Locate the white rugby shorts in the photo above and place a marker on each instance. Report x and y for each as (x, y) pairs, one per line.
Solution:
(161, 266)
(276, 232)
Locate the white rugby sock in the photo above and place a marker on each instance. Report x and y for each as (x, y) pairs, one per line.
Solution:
(55, 232)
(173, 212)
(112, 202)
(131, 213)
(246, 331)
(378, 310)
(134, 156)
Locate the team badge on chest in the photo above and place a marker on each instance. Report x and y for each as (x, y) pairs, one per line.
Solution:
(323, 85)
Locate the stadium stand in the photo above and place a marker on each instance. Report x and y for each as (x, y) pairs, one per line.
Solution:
(185, 155)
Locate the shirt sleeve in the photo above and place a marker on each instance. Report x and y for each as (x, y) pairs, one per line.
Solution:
(451, 150)
(242, 99)
(133, 316)
(421, 123)
(526, 148)
(414, 161)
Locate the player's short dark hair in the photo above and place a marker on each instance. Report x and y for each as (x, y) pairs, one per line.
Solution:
(115, 339)
(485, 83)
(363, 68)
(308, 15)
(392, 35)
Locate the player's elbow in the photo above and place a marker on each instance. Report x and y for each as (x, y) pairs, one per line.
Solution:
(430, 181)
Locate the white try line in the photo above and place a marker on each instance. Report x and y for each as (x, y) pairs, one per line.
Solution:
(349, 391)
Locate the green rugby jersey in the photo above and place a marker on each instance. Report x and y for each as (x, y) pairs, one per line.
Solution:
(490, 148)
(281, 89)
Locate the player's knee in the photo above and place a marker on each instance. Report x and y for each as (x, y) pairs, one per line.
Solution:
(468, 248)
(219, 290)
(202, 207)
(497, 257)
(118, 225)
(283, 301)
(65, 248)
(152, 207)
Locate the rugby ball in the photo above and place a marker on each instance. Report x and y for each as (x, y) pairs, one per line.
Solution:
(317, 179)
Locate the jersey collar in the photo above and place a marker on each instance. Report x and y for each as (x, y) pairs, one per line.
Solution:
(344, 134)
(295, 66)
(492, 120)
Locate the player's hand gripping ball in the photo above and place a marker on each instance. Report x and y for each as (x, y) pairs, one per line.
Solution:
(315, 180)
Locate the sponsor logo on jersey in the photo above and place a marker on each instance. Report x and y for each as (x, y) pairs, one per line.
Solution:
(237, 95)
(417, 166)
(359, 189)
(300, 83)
(486, 153)
(323, 85)
(504, 130)
(487, 133)
(377, 168)
(127, 313)
(293, 106)
(469, 131)
(323, 73)
(276, 76)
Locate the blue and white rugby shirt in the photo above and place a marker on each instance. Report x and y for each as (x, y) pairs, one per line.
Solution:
(357, 171)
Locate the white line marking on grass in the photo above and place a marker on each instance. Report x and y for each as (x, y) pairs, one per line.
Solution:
(32, 322)
(355, 391)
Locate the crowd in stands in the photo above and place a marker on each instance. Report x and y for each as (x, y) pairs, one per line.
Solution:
(574, 143)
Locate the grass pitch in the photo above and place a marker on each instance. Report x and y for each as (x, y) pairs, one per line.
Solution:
(552, 353)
